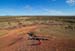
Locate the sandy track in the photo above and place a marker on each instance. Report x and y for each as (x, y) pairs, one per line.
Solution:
(14, 41)
(14, 35)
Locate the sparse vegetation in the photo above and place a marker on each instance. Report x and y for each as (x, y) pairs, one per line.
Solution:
(59, 30)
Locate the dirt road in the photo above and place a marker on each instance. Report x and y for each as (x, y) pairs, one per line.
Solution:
(15, 36)
(17, 40)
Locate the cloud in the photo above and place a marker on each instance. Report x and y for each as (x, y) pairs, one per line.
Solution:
(56, 12)
(70, 2)
(28, 7)
(8, 12)
(53, 12)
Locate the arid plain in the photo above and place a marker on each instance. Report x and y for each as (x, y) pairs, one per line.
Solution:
(59, 30)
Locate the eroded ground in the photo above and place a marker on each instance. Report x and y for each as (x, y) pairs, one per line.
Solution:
(59, 38)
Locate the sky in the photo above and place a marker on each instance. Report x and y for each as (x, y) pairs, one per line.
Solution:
(37, 7)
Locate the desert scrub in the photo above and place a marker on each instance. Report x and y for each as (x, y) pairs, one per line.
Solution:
(3, 32)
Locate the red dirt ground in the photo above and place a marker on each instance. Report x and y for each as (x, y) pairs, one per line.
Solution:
(14, 41)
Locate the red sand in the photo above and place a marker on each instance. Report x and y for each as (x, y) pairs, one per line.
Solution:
(19, 42)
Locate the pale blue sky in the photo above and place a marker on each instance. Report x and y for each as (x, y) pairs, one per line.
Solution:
(37, 7)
